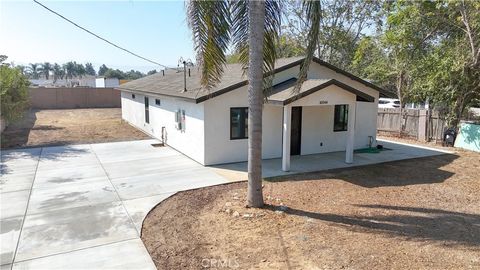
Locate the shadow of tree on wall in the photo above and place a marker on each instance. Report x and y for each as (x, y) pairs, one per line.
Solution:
(410, 223)
(471, 134)
(395, 173)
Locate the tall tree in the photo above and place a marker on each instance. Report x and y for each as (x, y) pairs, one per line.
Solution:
(253, 28)
(45, 69)
(70, 70)
(101, 71)
(33, 69)
(79, 70)
(58, 72)
(89, 70)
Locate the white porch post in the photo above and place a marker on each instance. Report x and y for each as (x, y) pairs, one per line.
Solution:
(350, 133)
(287, 118)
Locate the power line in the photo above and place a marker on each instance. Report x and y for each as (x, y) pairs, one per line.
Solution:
(97, 36)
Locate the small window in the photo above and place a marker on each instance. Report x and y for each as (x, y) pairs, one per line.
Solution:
(157, 101)
(340, 122)
(133, 96)
(147, 111)
(238, 123)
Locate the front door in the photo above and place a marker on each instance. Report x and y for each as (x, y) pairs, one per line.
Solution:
(296, 131)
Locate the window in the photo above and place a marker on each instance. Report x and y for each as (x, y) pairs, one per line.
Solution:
(340, 122)
(238, 123)
(157, 101)
(147, 112)
(133, 96)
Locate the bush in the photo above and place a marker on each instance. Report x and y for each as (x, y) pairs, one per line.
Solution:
(13, 93)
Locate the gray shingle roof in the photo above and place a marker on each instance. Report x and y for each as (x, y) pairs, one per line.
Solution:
(172, 83)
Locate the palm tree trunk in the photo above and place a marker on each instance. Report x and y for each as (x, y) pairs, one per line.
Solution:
(255, 100)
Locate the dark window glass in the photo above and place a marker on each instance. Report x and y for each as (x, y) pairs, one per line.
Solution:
(147, 113)
(238, 123)
(133, 96)
(157, 101)
(340, 122)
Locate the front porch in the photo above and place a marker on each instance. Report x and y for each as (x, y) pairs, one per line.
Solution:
(326, 161)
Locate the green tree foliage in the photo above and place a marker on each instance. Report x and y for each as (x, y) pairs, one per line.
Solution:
(89, 70)
(13, 92)
(151, 72)
(33, 70)
(45, 69)
(101, 71)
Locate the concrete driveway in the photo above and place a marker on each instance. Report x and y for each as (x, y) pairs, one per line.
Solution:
(82, 206)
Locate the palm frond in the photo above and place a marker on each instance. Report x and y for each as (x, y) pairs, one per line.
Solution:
(210, 24)
(240, 35)
(313, 15)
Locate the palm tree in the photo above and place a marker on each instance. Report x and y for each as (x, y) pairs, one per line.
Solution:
(58, 72)
(253, 28)
(34, 70)
(45, 69)
(70, 71)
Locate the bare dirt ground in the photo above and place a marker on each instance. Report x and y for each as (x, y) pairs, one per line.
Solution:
(59, 127)
(413, 214)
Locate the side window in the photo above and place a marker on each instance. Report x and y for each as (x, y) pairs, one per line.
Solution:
(157, 101)
(147, 111)
(238, 123)
(340, 122)
(133, 96)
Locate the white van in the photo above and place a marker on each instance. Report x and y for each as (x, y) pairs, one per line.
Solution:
(388, 103)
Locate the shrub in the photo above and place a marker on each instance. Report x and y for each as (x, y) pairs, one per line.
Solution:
(13, 93)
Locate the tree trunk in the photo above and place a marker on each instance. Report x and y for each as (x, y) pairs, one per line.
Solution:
(255, 102)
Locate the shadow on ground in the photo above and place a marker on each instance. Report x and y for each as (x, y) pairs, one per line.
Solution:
(412, 223)
(384, 174)
(16, 134)
(9, 158)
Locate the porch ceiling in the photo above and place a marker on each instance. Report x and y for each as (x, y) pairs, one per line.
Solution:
(282, 93)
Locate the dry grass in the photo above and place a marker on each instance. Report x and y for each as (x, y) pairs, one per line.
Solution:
(412, 214)
(58, 127)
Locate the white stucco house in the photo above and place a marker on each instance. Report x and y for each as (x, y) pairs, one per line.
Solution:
(334, 111)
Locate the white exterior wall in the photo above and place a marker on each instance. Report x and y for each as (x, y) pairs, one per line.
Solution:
(218, 146)
(190, 142)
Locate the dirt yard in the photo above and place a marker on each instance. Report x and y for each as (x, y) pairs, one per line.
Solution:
(413, 214)
(57, 127)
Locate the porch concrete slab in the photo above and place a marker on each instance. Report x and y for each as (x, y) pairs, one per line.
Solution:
(66, 230)
(317, 162)
(13, 204)
(139, 208)
(80, 174)
(16, 181)
(130, 254)
(68, 195)
(10, 230)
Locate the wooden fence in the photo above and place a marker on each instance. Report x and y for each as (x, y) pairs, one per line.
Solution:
(72, 98)
(422, 125)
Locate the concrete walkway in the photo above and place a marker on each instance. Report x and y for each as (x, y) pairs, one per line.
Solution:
(82, 206)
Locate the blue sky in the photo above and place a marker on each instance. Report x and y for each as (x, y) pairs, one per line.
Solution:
(157, 30)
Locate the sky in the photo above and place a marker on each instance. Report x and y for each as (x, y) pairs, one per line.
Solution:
(156, 30)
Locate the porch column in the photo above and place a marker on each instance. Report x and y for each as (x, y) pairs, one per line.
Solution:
(287, 118)
(350, 133)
